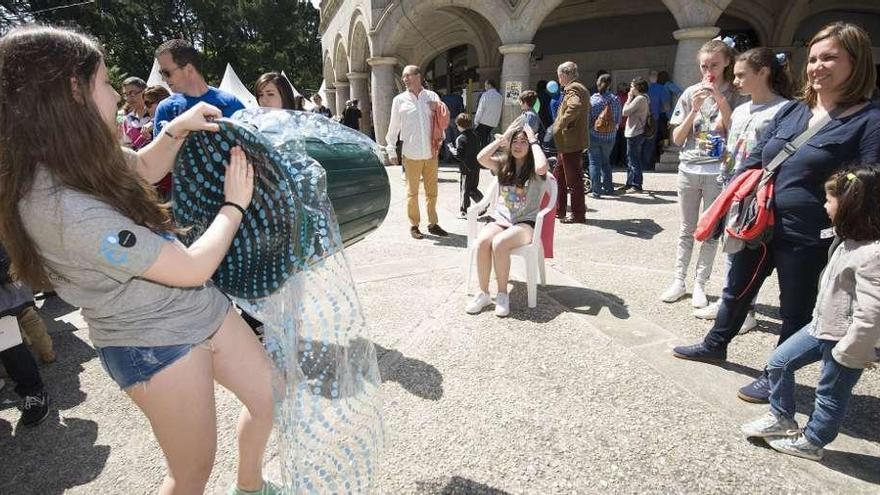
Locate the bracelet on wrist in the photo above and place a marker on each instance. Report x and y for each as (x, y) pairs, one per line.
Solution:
(172, 136)
(234, 205)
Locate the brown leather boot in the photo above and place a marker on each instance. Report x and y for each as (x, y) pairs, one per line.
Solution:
(35, 332)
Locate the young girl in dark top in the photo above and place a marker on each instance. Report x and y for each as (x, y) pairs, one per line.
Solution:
(467, 145)
(845, 328)
(840, 76)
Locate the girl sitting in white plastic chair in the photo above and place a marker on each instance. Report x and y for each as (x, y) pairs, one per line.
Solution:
(521, 174)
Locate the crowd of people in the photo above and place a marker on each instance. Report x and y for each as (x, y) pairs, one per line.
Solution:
(79, 216)
(743, 114)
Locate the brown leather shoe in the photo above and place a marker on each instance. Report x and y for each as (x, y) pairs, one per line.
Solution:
(415, 233)
(437, 230)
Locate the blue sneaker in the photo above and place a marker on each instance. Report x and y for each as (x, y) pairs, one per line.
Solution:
(757, 392)
(699, 352)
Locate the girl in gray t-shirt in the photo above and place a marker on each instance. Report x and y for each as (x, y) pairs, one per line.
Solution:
(700, 123)
(79, 213)
(521, 185)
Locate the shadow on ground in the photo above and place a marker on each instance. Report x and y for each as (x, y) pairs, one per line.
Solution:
(645, 198)
(643, 228)
(72, 440)
(579, 300)
(456, 486)
(416, 377)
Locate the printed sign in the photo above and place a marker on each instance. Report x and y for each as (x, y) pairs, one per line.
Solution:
(512, 90)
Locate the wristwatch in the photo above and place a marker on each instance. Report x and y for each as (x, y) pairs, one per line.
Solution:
(532, 143)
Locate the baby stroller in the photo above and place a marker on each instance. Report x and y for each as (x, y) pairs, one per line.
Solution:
(550, 150)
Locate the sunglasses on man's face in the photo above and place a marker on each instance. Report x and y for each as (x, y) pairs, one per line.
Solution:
(166, 73)
(132, 94)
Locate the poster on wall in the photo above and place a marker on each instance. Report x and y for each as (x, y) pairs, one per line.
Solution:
(512, 90)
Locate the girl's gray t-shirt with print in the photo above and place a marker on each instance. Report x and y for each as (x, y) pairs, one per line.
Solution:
(520, 204)
(695, 155)
(747, 126)
(95, 257)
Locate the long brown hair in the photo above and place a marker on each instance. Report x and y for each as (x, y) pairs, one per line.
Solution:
(507, 175)
(45, 122)
(857, 44)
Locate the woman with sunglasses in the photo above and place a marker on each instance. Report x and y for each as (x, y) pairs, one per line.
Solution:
(137, 117)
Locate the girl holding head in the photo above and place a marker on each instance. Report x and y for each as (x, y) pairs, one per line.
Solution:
(78, 212)
(521, 175)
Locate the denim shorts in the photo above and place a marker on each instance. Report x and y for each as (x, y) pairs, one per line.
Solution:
(129, 366)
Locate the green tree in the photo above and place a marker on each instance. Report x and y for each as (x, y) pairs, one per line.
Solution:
(254, 36)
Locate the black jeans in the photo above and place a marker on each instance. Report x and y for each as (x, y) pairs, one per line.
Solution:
(22, 368)
(798, 268)
(470, 181)
(483, 132)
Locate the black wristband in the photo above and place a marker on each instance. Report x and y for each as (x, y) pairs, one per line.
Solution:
(172, 136)
(234, 205)
(532, 143)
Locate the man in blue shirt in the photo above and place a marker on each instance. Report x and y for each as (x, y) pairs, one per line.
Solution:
(180, 66)
(658, 98)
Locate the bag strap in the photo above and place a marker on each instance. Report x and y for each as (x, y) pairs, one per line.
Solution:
(792, 146)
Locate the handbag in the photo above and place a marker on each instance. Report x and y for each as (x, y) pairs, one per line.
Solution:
(743, 213)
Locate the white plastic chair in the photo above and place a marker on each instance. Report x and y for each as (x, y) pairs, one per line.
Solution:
(532, 253)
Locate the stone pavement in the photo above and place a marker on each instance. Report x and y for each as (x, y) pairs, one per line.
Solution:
(580, 395)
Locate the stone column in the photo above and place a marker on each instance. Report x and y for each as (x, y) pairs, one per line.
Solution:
(358, 81)
(515, 68)
(330, 101)
(687, 70)
(383, 92)
(342, 96)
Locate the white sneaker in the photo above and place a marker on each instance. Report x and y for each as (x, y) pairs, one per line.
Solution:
(502, 305)
(698, 298)
(769, 425)
(479, 302)
(750, 322)
(674, 292)
(710, 312)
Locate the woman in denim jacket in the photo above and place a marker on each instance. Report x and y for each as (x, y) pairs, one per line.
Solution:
(845, 329)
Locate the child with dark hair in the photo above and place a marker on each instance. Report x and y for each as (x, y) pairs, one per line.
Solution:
(845, 328)
(465, 150)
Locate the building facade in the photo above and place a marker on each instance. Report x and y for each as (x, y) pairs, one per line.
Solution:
(517, 43)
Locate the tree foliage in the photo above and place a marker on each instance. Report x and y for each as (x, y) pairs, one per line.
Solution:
(254, 36)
